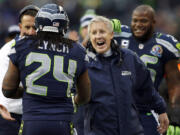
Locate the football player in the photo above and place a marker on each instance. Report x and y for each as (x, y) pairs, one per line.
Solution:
(158, 51)
(48, 65)
(11, 109)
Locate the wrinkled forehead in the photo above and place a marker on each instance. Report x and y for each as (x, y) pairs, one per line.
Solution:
(144, 13)
(28, 19)
(98, 25)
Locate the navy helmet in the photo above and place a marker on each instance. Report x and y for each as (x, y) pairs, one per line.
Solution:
(52, 18)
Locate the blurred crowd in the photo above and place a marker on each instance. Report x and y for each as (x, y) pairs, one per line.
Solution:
(168, 12)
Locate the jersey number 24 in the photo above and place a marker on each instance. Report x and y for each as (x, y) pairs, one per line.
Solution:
(44, 68)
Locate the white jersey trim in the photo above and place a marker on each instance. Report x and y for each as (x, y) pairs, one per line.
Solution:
(169, 46)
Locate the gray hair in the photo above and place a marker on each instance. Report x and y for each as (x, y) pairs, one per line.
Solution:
(103, 19)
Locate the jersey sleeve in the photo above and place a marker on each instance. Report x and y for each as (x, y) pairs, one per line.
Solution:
(18, 48)
(80, 53)
(125, 28)
(125, 33)
(170, 47)
(13, 54)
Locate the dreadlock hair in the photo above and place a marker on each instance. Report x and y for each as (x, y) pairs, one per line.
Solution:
(53, 38)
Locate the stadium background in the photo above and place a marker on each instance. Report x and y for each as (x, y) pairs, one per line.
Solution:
(168, 12)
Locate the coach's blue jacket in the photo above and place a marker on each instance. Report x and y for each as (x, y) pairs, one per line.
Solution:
(115, 91)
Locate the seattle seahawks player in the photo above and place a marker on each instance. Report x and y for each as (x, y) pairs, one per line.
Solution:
(157, 50)
(48, 65)
(11, 109)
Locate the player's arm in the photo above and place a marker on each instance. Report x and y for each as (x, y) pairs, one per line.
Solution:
(173, 81)
(83, 89)
(149, 97)
(10, 87)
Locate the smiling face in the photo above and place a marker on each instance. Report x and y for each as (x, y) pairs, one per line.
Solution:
(100, 36)
(142, 24)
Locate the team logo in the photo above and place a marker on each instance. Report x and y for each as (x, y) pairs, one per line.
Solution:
(56, 24)
(157, 50)
(125, 73)
(141, 46)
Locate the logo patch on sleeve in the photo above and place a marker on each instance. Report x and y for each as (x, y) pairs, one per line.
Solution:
(157, 50)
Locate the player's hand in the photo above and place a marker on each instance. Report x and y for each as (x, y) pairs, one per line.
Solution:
(5, 114)
(174, 96)
(164, 123)
(116, 25)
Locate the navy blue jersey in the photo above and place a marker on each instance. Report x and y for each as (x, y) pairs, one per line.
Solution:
(48, 75)
(155, 53)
